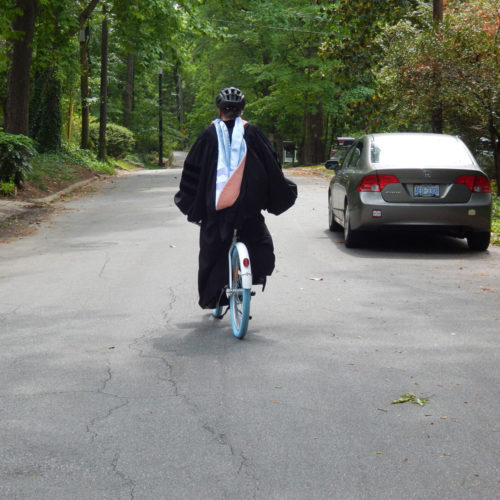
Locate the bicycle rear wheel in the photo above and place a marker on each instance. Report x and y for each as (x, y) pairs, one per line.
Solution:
(239, 298)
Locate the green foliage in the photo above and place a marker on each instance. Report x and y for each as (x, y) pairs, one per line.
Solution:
(119, 140)
(7, 188)
(454, 66)
(269, 49)
(15, 154)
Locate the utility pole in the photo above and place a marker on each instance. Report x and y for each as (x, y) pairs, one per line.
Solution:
(160, 118)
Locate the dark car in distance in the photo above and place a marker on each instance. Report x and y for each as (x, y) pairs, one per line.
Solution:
(412, 181)
(339, 151)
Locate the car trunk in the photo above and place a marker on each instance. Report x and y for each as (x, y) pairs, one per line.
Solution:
(428, 185)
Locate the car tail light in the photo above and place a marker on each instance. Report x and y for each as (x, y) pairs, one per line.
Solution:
(482, 185)
(376, 182)
(384, 179)
(246, 262)
(476, 183)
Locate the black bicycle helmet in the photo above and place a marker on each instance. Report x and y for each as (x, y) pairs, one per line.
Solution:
(230, 98)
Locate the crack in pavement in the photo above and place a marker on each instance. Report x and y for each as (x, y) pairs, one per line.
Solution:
(106, 262)
(102, 390)
(243, 466)
(127, 480)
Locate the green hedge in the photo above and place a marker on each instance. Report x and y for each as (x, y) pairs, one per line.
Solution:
(119, 140)
(15, 154)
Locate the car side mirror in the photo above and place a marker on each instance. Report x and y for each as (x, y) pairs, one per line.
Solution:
(332, 165)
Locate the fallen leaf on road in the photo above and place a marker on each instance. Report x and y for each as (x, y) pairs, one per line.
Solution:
(485, 289)
(409, 397)
(172, 246)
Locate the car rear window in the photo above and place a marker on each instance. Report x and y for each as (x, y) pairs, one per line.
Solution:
(419, 151)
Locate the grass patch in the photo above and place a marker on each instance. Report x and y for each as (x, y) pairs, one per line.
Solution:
(88, 159)
(495, 223)
(147, 160)
(49, 167)
(126, 164)
(58, 169)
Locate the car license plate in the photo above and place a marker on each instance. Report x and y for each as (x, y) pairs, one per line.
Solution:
(425, 190)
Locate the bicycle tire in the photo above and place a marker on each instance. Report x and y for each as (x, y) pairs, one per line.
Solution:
(239, 299)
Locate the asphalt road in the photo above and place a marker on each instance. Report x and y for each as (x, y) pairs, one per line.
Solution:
(114, 384)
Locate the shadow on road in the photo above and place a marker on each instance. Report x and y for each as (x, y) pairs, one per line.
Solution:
(408, 244)
(207, 337)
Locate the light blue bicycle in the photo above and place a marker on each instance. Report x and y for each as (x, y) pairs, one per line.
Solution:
(239, 288)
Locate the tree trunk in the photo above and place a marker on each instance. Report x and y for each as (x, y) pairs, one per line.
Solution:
(437, 10)
(497, 165)
(16, 120)
(128, 93)
(314, 147)
(70, 113)
(85, 70)
(84, 86)
(104, 87)
(437, 105)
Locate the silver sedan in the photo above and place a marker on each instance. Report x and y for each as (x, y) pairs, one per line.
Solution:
(411, 181)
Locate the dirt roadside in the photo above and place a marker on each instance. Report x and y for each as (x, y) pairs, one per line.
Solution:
(31, 205)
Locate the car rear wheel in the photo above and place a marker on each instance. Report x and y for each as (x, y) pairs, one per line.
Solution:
(479, 241)
(332, 223)
(351, 238)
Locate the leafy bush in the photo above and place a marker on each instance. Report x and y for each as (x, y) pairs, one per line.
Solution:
(15, 154)
(119, 140)
(7, 188)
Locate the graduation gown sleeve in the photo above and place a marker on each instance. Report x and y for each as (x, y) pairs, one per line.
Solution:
(281, 192)
(197, 174)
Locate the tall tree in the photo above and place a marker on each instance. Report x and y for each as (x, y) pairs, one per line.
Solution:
(468, 55)
(437, 109)
(16, 119)
(104, 86)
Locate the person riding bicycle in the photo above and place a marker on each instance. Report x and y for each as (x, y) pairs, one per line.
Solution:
(230, 175)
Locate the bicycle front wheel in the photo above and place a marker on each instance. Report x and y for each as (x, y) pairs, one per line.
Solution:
(239, 298)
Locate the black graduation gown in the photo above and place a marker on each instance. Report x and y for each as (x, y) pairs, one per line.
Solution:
(263, 187)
